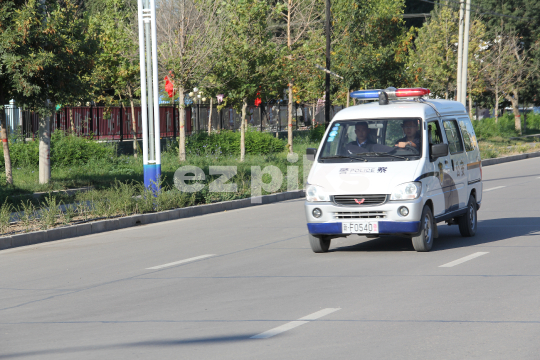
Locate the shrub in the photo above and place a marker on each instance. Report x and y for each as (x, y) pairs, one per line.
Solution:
(74, 150)
(227, 143)
(488, 128)
(533, 121)
(65, 150)
(316, 134)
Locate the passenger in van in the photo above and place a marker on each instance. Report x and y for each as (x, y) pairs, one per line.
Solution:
(362, 142)
(412, 135)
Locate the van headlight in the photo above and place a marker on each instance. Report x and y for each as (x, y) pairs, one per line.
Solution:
(407, 191)
(315, 193)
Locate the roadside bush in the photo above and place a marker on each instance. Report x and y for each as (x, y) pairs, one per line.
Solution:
(316, 134)
(488, 128)
(65, 150)
(533, 122)
(227, 143)
(74, 150)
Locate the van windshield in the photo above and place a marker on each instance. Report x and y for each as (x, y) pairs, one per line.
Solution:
(373, 140)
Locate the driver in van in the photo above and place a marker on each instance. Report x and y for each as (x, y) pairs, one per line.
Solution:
(412, 135)
(362, 141)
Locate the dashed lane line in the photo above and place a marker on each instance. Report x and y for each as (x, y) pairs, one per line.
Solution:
(464, 259)
(296, 323)
(180, 262)
(495, 188)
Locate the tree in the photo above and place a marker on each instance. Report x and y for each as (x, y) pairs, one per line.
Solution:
(507, 67)
(189, 34)
(521, 18)
(117, 63)
(433, 54)
(9, 10)
(366, 40)
(299, 18)
(46, 52)
(249, 66)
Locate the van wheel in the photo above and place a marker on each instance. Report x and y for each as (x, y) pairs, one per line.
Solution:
(319, 243)
(467, 222)
(424, 240)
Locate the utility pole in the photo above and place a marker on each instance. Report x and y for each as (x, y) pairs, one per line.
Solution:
(463, 51)
(465, 57)
(327, 87)
(460, 49)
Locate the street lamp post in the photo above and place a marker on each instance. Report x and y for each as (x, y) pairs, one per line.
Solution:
(150, 88)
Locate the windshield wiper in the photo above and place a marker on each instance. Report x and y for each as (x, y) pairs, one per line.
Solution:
(343, 157)
(385, 154)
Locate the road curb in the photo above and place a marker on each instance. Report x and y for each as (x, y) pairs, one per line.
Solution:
(95, 227)
(510, 158)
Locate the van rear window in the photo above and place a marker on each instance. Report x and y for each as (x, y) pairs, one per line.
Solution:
(469, 137)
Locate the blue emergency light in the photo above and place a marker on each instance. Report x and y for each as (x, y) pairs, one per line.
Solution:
(391, 92)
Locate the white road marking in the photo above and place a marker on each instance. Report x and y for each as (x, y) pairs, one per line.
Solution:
(296, 323)
(495, 188)
(463, 259)
(180, 262)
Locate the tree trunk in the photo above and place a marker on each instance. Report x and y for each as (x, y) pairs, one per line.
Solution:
(243, 131)
(289, 120)
(220, 118)
(496, 111)
(72, 124)
(348, 97)
(45, 148)
(470, 105)
(5, 144)
(182, 122)
(133, 122)
(515, 109)
(313, 115)
(210, 117)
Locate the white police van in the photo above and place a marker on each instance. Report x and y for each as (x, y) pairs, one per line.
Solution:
(397, 166)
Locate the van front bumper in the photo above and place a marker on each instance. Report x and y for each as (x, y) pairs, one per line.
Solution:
(387, 215)
(385, 227)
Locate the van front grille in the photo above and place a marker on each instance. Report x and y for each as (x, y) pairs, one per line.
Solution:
(359, 200)
(360, 215)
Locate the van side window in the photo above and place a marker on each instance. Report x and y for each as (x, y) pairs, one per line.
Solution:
(434, 133)
(454, 137)
(469, 137)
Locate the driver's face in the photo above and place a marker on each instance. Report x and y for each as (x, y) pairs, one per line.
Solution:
(410, 128)
(361, 132)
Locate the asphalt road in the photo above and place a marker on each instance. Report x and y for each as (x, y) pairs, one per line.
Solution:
(261, 293)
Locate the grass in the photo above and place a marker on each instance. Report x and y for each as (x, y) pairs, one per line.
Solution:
(118, 190)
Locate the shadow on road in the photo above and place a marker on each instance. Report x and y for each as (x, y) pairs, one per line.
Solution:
(489, 232)
(149, 344)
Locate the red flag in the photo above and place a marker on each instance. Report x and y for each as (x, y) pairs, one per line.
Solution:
(169, 86)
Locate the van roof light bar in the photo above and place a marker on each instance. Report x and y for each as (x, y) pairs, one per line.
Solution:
(392, 93)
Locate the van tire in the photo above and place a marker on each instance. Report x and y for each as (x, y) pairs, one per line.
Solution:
(319, 243)
(424, 240)
(468, 222)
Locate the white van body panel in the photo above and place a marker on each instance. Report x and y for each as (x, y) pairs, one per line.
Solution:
(362, 177)
(446, 182)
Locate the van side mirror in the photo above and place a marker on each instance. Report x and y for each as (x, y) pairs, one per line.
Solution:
(310, 154)
(438, 150)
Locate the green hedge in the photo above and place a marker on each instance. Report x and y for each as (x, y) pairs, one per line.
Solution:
(505, 127)
(227, 143)
(65, 150)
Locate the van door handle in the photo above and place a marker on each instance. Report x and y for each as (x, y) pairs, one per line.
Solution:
(453, 165)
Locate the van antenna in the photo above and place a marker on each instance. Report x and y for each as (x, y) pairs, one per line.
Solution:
(431, 106)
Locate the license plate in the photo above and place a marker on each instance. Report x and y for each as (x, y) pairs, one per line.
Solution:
(360, 227)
